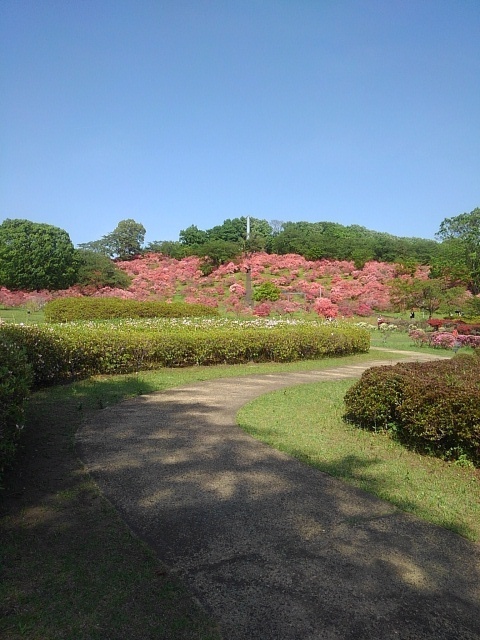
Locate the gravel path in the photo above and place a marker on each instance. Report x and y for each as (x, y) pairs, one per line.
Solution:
(275, 550)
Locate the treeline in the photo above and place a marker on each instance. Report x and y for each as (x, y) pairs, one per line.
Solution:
(312, 240)
(40, 256)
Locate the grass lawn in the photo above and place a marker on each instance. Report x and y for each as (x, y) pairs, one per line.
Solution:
(21, 315)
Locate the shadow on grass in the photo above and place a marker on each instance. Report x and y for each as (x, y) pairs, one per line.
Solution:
(353, 469)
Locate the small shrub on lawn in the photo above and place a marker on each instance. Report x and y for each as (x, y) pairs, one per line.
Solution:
(84, 308)
(15, 381)
(266, 291)
(432, 406)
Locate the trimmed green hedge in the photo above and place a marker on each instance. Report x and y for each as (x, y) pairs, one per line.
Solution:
(15, 381)
(432, 406)
(61, 353)
(85, 308)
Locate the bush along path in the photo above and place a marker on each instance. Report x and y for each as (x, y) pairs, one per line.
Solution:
(271, 548)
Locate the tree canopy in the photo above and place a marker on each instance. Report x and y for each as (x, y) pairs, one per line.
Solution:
(97, 270)
(124, 242)
(461, 246)
(35, 256)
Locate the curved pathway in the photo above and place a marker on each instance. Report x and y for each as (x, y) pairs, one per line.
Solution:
(273, 549)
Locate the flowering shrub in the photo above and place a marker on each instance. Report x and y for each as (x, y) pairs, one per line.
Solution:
(15, 380)
(325, 308)
(262, 310)
(442, 340)
(419, 337)
(468, 329)
(446, 340)
(154, 276)
(435, 323)
(63, 352)
(386, 326)
(434, 405)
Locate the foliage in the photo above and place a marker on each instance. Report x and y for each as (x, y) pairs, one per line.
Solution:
(430, 294)
(434, 406)
(337, 242)
(192, 236)
(97, 270)
(266, 291)
(462, 235)
(124, 242)
(61, 353)
(15, 381)
(233, 231)
(217, 252)
(35, 256)
(352, 290)
(85, 308)
(167, 248)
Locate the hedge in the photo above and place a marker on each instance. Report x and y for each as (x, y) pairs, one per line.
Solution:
(434, 406)
(85, 308)
(61, 353)
(15, 381)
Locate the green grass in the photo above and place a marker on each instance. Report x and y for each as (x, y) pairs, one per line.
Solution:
(306, 422)
(21, 315)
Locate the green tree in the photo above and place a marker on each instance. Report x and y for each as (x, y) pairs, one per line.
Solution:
(464, 232)
(430, 295)
(96, 246)
(169, 248)
(98, 270)
(124, 242)
(35, 256)
(216, 252)
(235, 230)
(192, 236)
(450, 264)
(126, 239)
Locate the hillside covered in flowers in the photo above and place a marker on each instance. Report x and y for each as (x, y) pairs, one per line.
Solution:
(328, 287)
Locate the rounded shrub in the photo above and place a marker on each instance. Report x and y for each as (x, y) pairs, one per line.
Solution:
(432, 406)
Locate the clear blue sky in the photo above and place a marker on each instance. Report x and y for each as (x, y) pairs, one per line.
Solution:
(180, 112)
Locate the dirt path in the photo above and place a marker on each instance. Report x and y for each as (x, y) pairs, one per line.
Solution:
(273, 549)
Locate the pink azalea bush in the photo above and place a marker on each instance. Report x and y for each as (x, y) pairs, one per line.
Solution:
(325, 308)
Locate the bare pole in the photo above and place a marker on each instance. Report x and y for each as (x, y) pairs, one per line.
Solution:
(248, 274)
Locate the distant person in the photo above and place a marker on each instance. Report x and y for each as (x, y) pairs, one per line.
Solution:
(412, 315)
(456, 344)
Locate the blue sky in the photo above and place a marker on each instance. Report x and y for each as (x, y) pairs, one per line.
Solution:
(180, 112)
